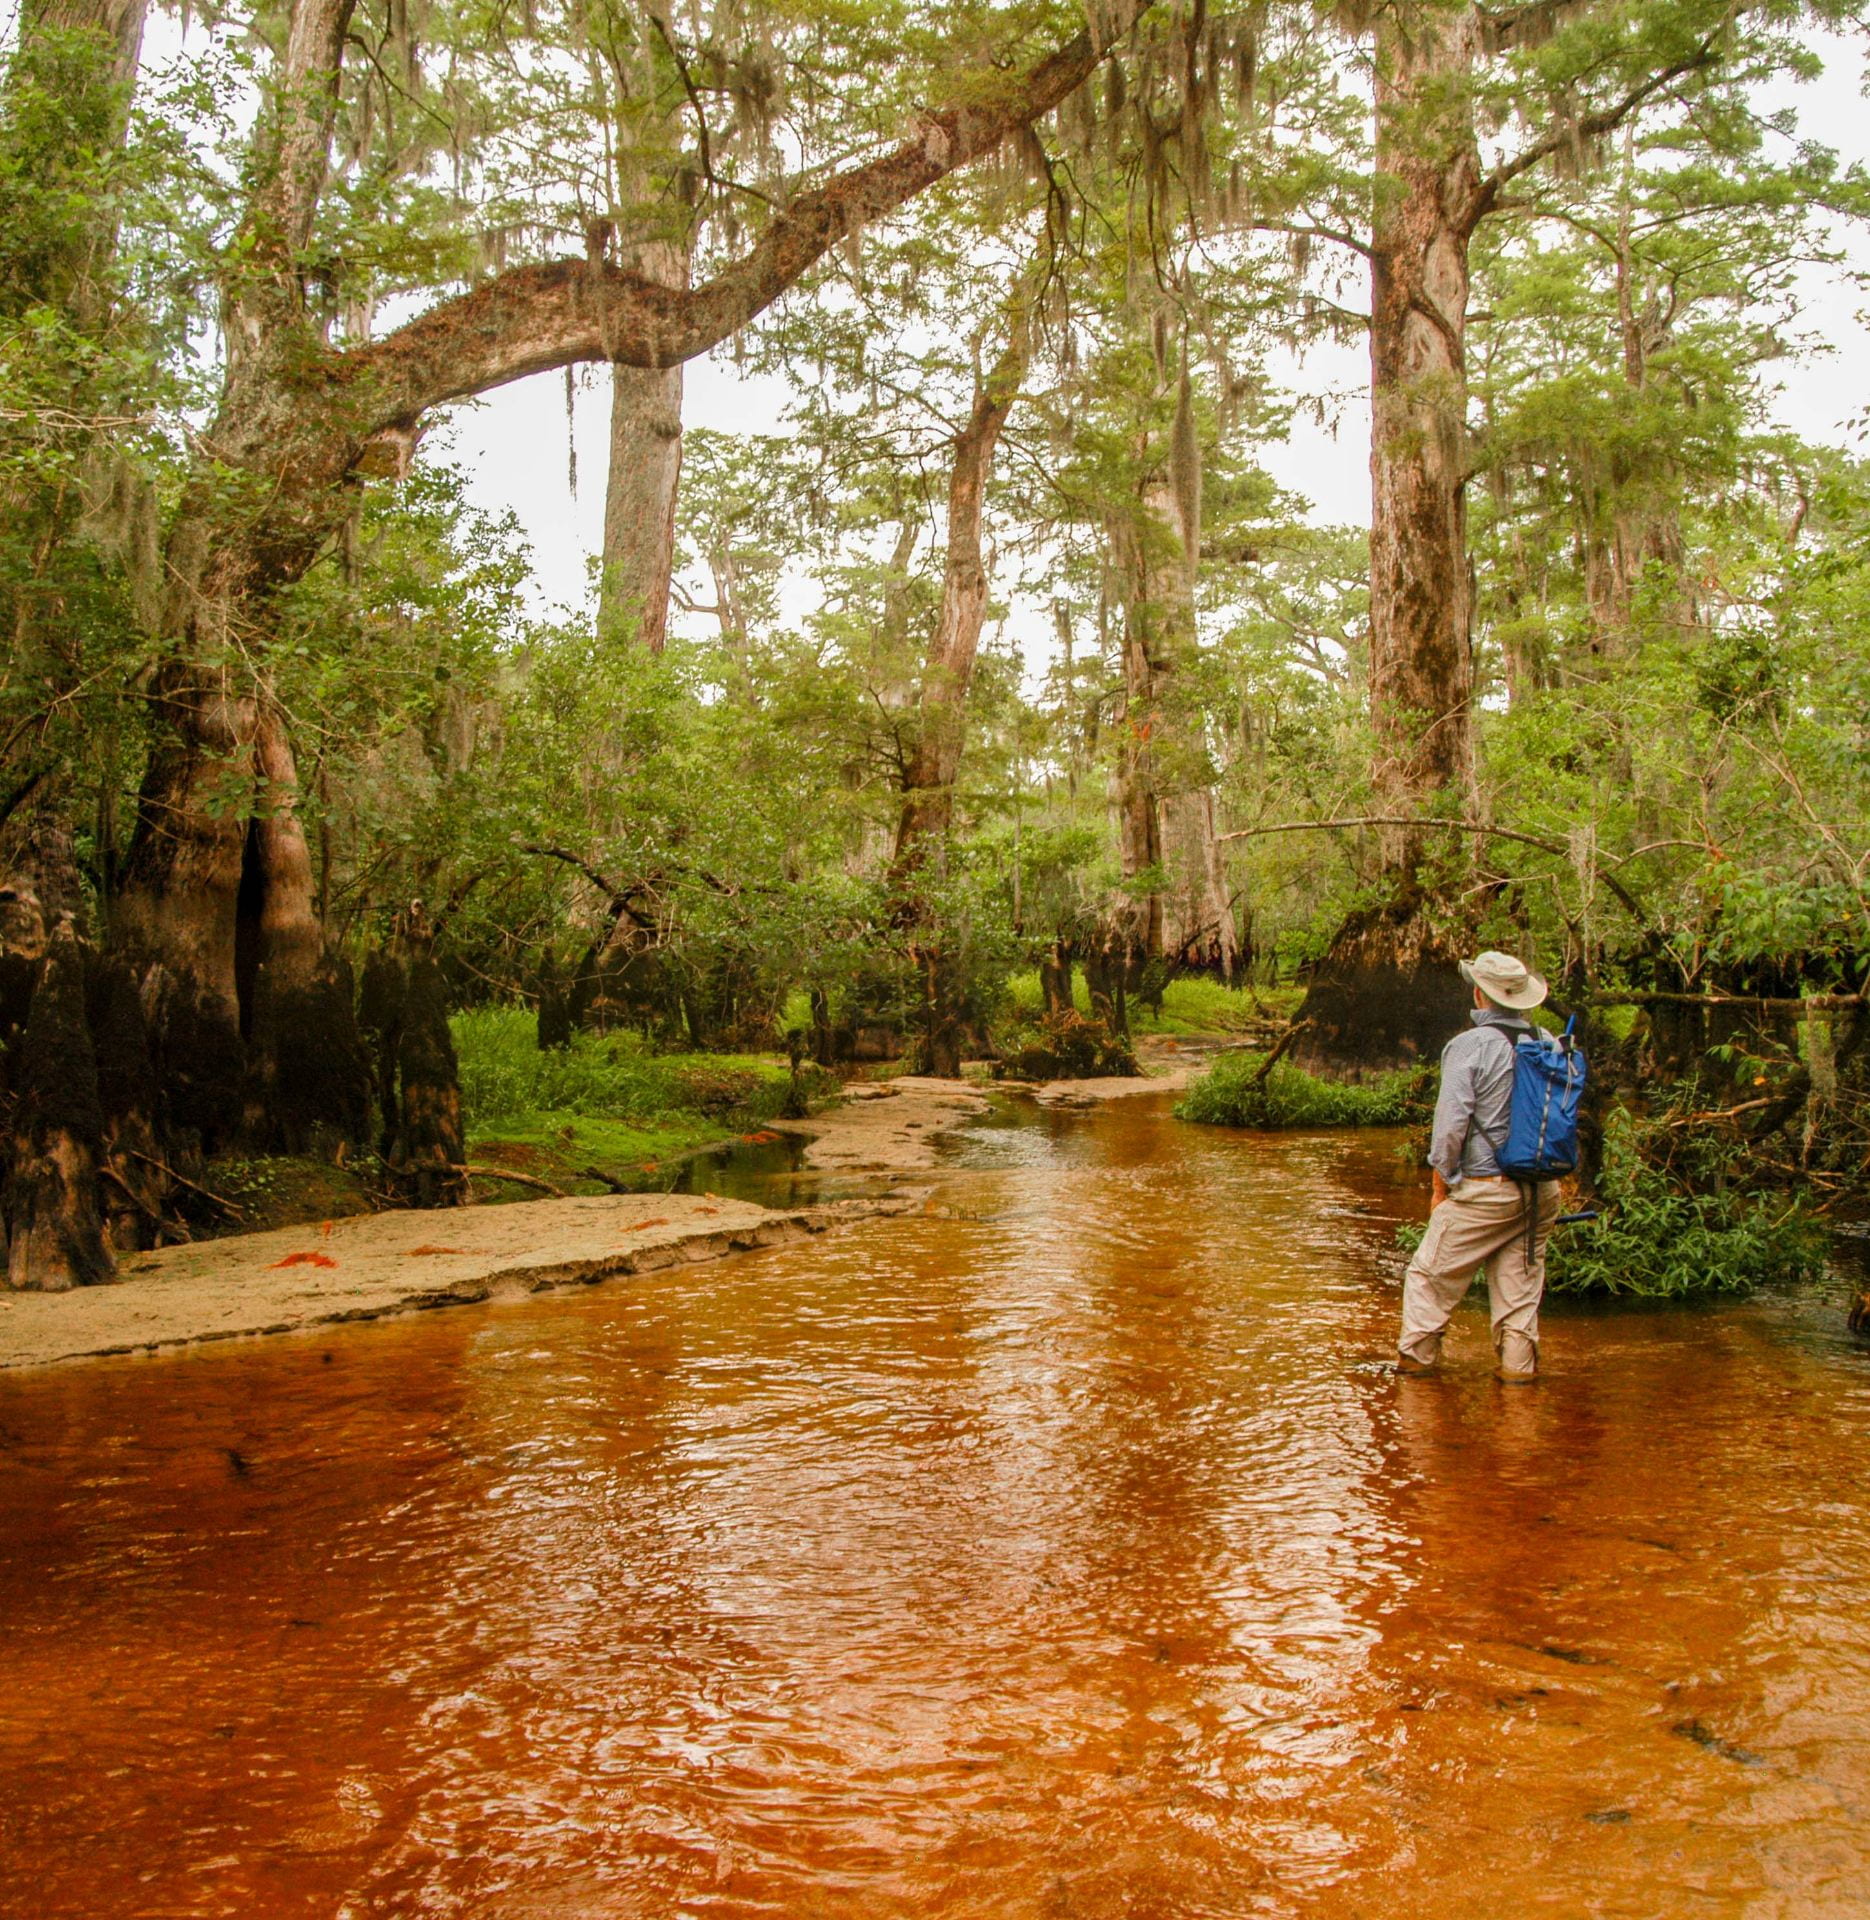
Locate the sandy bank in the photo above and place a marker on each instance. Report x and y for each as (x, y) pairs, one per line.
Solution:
(887, 1126)
(377, 1264)
(1168, 1066)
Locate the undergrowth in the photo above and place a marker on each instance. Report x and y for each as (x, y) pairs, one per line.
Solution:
(508, 1084)
(1656, 1239)
(1659, 1240)
(1191, 1005)
(1232, 1094)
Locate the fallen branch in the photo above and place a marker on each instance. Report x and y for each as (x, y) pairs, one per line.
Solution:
(603, 1179)
(181, 1180)
(162, 1223)
(1722, 1113)
(506, 1173)
(1272, 1059)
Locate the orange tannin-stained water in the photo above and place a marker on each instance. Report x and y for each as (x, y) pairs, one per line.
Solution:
(1077, 1557)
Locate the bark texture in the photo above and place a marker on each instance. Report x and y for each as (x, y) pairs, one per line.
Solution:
(1427, 201)
(935, 756)
(643, 481)
(54, 1221)
(1163, 789)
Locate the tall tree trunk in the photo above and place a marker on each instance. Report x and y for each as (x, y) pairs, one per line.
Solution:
(1387, 992)
(210, 896)
(644, 478)
(1163, 791)
(1421, 657)
(308, 1078)
(179, 911)
(935, 758)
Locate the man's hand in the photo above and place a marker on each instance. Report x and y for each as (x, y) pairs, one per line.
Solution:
(1439, 1189)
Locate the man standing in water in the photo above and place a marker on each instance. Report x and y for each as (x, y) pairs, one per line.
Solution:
(1480, 1216)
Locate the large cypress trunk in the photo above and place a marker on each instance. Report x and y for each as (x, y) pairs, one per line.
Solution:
(180, 908)
(54, 1222)
(308, 1078)
(1386, 993)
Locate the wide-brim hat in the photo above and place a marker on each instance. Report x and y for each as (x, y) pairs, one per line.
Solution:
(1502, 978)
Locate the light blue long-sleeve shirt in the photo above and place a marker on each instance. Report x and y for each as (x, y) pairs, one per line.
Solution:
(1476, 1097)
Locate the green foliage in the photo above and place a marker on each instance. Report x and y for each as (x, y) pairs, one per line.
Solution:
(507, 1082)
(1192, 1006)
(1658, 1240)
(1232, 1094)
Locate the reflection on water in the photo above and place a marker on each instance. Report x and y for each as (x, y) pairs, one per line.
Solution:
(1080, 1558)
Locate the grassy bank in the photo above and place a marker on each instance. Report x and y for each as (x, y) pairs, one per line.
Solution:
(606, 1100)
(1236, 1092)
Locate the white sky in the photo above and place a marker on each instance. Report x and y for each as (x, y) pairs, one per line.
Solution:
(513, 442)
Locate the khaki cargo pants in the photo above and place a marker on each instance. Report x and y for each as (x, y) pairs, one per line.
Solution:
(1482, 1223)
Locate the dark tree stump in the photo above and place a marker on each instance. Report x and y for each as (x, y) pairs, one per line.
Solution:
(1389, 994)
(55, 1228)
(430, 1145)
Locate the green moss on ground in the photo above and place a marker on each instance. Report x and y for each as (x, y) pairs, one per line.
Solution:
(281, 1190)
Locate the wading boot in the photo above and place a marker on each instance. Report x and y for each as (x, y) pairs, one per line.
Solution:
(1516, 1360)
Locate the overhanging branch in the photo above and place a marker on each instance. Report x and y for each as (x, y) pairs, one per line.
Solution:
(1605, 120)
(532, 319)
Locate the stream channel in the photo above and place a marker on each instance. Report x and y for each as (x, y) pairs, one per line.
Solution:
(1069, 1550)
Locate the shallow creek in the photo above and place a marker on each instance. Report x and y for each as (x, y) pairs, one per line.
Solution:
(1072, 1555)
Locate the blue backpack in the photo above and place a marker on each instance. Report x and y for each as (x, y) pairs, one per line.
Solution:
(1542, 1127)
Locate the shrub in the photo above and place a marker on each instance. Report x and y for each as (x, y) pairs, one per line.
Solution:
(1656, 1240)
(1660, 1240)
(1066, 1046)
(1232, 1094)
